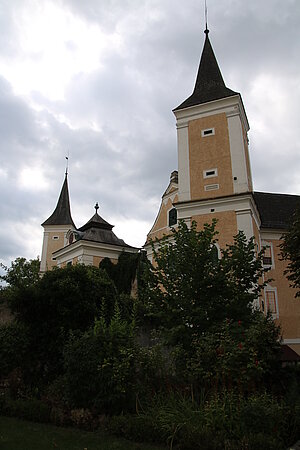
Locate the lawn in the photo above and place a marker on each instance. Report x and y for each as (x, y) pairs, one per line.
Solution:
(18, 434)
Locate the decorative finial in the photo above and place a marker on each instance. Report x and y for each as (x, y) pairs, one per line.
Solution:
(67, 163)
(96, 207)
(206, 31)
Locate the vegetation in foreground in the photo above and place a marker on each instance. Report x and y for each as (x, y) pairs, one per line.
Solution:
(189, 363)
(16, 434)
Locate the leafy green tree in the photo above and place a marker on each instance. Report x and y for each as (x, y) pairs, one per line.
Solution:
(61, 301)
(124, 272)
(190, 289)
(99, 365)
(22, 273)
(237, 353)
(290, 251)
(14, 347)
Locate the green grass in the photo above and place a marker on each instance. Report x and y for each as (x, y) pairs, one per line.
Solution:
(18, 434)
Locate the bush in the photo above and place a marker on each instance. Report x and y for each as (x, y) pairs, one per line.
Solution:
(99, 367)
(14, 347)
(29, 409)
(228, 420)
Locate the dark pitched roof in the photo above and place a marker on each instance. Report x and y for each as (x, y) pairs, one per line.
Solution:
(209, 84)
(62, 212)
(276, 210)
(98, 230)
(97, 222)
(288, 354)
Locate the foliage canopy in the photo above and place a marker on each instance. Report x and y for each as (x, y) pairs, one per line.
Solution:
(190, 288)
(290, 250)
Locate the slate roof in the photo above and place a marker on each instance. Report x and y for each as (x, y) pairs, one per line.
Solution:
(98, 230)
(209, 84)
(62, 212)
(276, 210)
(288, 354)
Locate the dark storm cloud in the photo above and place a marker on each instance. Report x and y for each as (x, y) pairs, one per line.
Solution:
(116, 121)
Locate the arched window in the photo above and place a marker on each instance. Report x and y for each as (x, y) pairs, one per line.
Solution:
(172, 217)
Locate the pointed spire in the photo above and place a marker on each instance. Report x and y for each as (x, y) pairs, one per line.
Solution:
(209, 84)
(62, 212)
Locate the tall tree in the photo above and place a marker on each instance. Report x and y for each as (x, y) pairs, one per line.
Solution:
(290, 251)
(21, 273)
(191, 287)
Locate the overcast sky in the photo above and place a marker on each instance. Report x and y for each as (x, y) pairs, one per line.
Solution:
(99, 79)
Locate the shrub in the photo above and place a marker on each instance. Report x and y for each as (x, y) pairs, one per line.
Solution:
(14, 347)
(99, 367)
(228, 420)
(28, 409)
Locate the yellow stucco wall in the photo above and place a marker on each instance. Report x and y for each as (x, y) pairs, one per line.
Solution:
(226, 226)
(98, 259)
(288, 305)
(160, 227)
(53, 245)
(208, 153)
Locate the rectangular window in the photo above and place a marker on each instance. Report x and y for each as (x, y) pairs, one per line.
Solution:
(210, 173)
(55, 238)
(211, 187)
(267, 256)
(271, 302)
(208, 132)
(172, 217)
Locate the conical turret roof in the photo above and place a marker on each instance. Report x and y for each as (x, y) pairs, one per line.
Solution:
(209, 84)
(98, 230)
(62, 212)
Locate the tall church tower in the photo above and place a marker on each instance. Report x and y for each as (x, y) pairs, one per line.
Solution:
(56, 228)
(214, 182)
(214, 175)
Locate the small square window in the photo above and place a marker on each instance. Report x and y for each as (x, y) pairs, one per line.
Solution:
(210, 173)
(208, 132)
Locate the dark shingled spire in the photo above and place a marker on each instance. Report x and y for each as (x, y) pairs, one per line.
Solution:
(209, 84)
(62, 212)
(98, 230)
(96, 222)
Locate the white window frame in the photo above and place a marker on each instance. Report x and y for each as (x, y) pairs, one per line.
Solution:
(207, 175)
(55, 238)
(211, 187)
(270, 245)
(175, 225)
(269, 288)
(209, 131)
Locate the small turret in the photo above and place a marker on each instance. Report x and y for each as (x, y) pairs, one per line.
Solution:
(56, 228)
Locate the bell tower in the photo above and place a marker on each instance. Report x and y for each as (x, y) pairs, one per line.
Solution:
(214, 175)
(56, 228)
(212, 128)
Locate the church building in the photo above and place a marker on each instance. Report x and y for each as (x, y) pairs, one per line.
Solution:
(64, 244)
(214, 181)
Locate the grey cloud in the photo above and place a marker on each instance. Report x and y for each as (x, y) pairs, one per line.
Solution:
(126, 164)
